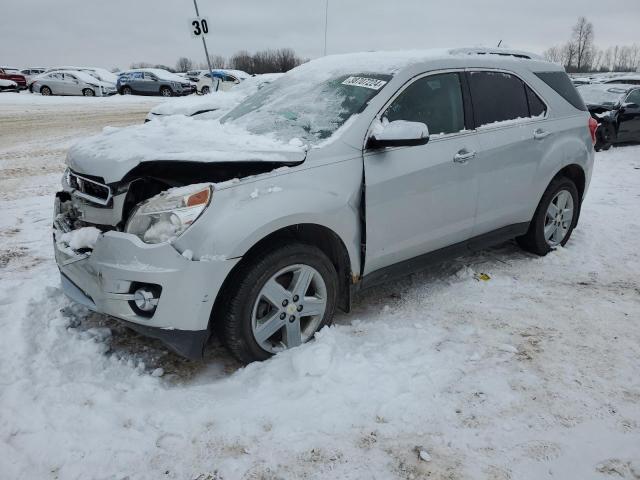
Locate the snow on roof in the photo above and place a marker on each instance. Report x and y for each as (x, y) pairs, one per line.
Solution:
(158, 72)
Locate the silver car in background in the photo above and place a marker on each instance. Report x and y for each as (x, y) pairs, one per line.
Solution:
(349, 171)
(70, 82)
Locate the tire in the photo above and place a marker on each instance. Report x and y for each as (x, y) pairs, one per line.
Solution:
(247, 311)
(543, 221)
(87, 92)
(205, 90)
(45, 91)
(166, 92)
(125, 91)
(604, 137)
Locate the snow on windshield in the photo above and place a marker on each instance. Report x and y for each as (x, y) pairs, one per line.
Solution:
(597, 95)
(300, 107)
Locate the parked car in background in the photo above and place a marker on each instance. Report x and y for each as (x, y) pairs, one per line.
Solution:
(101, 74)
(223, 79)
(580, 80)
(31, 73)
(624, 79)
(616, 107)
(8, 86)
(14, 75)
(349, 171)
(153, 81)
(214, 105)
(70, 82)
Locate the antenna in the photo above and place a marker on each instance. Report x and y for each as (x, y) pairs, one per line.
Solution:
(499, 43)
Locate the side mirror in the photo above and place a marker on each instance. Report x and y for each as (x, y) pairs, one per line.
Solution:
(399, 133)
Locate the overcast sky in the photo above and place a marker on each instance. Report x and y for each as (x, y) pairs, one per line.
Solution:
(115, 33)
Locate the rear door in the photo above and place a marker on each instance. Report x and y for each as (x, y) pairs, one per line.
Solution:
(72, 85)
(629, 130)
(422, 198)
(510, 119)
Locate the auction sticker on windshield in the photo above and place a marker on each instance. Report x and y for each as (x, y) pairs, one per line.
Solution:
(372, 83)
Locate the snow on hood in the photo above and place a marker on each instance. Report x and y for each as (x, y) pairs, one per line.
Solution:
(114, 152)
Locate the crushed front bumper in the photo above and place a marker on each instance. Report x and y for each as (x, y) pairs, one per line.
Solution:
(105, 279)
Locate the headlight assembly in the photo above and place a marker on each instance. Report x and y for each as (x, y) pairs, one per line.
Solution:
(167, 215)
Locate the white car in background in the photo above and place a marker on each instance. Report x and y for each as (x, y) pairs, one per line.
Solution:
(223, 79)
(101, 74)
(213, 105)
(8, 85)
(71, 82)
(31, 73)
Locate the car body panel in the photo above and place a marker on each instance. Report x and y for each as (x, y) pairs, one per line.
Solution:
(417, 200)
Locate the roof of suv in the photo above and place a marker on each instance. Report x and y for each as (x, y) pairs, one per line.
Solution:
(394, 61)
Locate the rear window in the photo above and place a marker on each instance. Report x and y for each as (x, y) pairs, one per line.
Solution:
(561, 83)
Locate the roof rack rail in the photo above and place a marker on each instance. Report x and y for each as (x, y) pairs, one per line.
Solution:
(503, 52)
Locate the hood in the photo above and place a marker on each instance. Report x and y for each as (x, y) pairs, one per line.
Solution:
(194, 104)
(116, 151)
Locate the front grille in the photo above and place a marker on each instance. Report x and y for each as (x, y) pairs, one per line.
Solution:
(88, 189)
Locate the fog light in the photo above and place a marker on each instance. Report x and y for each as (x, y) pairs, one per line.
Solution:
(145, 300)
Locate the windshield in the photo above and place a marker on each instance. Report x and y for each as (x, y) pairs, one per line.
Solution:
(597, 95)
(307, 107)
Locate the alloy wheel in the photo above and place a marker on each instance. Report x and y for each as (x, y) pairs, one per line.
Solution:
(289, 308)
(559, 218)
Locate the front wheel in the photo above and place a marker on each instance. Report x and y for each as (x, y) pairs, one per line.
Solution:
(46, 91)
(205, 90)
(166, 92)
(87, 92)
(126, 91)
(279, 301)
(555, 218)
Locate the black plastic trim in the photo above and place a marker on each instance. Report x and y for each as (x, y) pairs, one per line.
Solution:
(421, 262)
(186, 343)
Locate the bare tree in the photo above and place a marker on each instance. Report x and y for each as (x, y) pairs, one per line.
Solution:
(582, 41)
(242, 61)
(184, 64)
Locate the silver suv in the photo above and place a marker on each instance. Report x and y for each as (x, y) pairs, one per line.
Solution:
(346, 172)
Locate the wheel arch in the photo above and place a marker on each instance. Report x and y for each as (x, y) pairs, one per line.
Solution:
(576, 174)
(319, 236)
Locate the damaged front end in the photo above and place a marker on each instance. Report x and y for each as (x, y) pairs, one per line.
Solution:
(111, 264)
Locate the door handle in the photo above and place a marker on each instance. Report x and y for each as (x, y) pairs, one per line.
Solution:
(539, 134)
(463, 156)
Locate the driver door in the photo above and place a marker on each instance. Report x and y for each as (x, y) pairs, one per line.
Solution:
(422, 198)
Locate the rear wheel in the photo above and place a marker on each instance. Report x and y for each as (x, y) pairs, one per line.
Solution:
(46, 91)
(87, 92)
(555, 218)
(126, 91)
(279, 301)
(166, 92)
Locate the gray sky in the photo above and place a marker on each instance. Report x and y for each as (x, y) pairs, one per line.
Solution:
(117, 32)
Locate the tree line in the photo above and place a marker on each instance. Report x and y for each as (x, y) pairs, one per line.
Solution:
(265, 61)
(580, 54)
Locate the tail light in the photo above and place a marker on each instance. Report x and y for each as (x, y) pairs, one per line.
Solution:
(593, 127)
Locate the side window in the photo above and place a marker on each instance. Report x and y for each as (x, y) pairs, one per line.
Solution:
(536, 106)
(634, 97)
(435, 100)
(497, 97)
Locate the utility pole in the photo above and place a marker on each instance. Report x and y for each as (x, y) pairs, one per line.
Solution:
(206, 51)
(326, 18)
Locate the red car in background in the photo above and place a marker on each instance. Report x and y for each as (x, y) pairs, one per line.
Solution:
(15, 75)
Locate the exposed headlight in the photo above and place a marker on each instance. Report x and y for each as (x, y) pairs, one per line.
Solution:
(167, 215)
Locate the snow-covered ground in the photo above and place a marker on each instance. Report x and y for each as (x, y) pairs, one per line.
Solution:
(529, 372)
